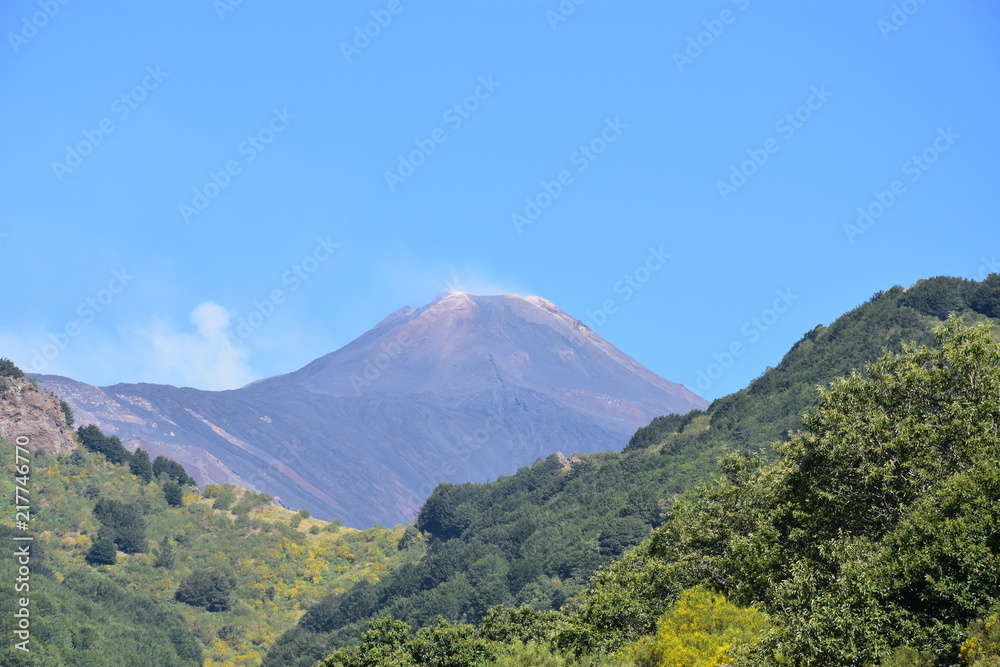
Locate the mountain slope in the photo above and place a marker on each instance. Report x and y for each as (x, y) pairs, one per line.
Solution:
(873, 539)
(464, 389)
(125, 611)
(553, 524)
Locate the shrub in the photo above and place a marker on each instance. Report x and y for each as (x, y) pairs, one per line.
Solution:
(700, 630)
(534, 654)
(982, 649)
(9, 369)
(67, 412)
(225, 498)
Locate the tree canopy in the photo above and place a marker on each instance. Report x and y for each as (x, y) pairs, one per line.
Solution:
(205, 588)
(877, 528)
(94, 440)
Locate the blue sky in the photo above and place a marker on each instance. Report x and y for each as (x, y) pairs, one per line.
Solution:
(205, 193)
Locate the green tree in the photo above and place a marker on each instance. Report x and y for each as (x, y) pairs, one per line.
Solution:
(507, 625)
(225, 498)
(165, 556)
(9, 369)
(94, 440)
(622, 533)
(443, 515)
(205, 588)
(173, 493)
(939, 296)
(67, 412)
(410, 537)
(211, 491)
(451, 645)
(140, 466)
(164, 466)
(384, 644)
(124, 522)
(103, 550)
(985, 298)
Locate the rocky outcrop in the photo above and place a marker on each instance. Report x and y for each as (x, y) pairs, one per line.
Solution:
(27, 411)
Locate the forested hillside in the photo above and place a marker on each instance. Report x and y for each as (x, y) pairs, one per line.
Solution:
(130, 565)
(874, 536)
(536, 537)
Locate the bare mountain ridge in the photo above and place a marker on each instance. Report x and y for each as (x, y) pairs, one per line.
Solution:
(465, 389)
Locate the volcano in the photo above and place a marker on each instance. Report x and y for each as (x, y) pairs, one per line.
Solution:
(465, 389)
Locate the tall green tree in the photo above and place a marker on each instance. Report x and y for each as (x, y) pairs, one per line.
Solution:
(141, 466)
(386, 642)
(173, 493)
(125, 524)
(164, 466)
(103, 550)
(165, 556)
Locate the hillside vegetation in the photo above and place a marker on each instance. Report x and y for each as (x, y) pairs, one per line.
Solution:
(873, 539)
(132, 566)
(875, 533)
(534, 538)
(843, 509)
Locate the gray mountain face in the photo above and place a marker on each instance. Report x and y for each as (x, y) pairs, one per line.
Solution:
(467, 388)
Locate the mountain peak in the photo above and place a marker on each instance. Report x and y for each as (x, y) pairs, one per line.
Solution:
(451, 293)
(465, 388)
(462, 345)
(452, 297)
